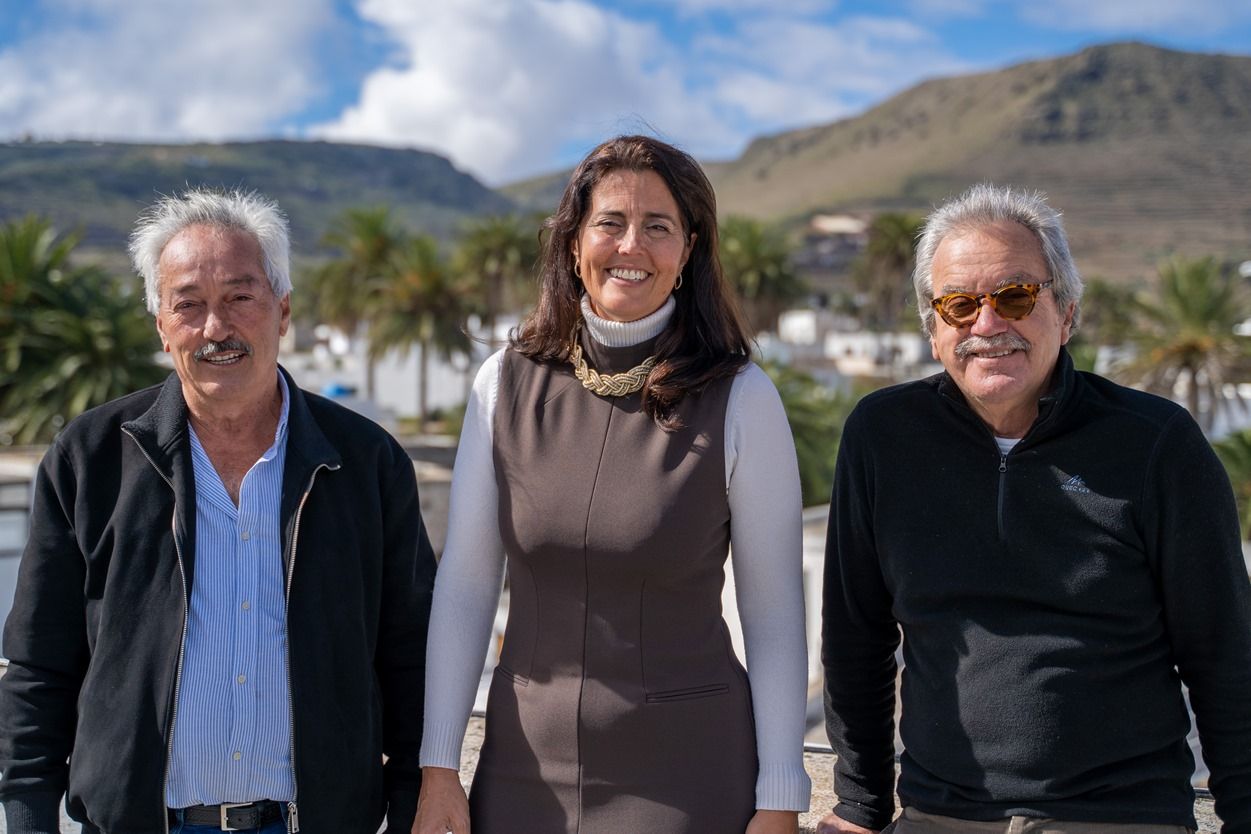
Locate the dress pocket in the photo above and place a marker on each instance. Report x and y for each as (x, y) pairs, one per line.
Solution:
(509, 675)
(688, 693)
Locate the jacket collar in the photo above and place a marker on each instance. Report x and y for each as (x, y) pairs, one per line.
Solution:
(162, 433)
(1062, 392)
(308, 448)
(162, 430)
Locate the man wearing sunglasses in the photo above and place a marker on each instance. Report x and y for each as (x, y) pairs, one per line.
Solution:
(1060, 553)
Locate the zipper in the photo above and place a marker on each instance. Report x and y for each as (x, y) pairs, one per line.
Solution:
(182, 645)
(293, 813)
(1003, 475)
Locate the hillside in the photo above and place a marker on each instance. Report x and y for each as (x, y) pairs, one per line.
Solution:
(1147, 152)
(541, 193)
(99, 188)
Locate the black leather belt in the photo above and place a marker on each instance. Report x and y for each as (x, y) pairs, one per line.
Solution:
(231, 816)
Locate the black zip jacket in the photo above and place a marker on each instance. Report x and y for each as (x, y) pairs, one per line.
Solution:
(1052, 601)
(95, 635)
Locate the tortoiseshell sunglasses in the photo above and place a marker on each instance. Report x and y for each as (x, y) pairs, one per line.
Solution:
(1012, 301)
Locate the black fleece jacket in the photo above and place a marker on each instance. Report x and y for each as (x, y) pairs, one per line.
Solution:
(95, 634)
(1052, 602)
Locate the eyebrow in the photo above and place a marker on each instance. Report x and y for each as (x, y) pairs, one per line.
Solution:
(1018, 278)
(651, 215)
(246, 279)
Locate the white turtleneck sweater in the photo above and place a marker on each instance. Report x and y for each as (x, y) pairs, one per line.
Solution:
(766, 555)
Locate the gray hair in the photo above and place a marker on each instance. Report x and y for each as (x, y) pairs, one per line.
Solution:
(982, 205)
(247, 211)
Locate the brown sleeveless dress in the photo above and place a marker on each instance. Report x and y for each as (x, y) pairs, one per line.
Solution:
(618, 705)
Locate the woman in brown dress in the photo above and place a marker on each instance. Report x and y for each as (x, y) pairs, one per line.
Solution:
(611, 456)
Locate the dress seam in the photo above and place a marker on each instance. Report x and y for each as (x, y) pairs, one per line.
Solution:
(586, 598)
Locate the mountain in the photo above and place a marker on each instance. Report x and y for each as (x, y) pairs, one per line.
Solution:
(1146, 151)
(539, 194)
(99, 188)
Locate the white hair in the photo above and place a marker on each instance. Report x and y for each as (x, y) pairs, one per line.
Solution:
(246, 211)
(982, 205)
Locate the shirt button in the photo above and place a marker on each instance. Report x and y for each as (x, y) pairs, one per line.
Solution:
(246, 535)
(247, 606)
(242, 679)
(237, 756)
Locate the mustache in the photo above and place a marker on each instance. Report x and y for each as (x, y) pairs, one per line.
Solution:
(982, 344)
(211, 348)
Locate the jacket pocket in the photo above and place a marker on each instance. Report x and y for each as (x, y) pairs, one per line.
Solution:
(688, 693)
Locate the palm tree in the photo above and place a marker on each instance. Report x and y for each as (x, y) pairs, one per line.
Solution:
(344, 291)
(495, 260)
(31, 263)
(883, 272)
(421, 304)
(816, 415)
(71, 338)
(1107, 313)
(1184, 336)
(756, 261)
(1235, 452)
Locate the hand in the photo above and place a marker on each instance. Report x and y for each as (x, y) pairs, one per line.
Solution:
(834, 824)
(773, 822)
(442, 805)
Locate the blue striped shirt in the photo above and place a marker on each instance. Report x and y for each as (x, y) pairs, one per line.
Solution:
(232, 728)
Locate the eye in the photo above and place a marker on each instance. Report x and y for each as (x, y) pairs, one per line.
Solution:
(183, 306)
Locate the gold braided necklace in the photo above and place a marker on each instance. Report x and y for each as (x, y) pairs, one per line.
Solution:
(607, 385)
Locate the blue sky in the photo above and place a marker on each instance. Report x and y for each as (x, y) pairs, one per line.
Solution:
(513, 88)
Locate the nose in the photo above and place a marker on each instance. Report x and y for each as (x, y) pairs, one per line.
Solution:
(988, 322)
(630, 240)
(217, 325)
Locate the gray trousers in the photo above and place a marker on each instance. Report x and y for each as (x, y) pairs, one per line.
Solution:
(913, 821)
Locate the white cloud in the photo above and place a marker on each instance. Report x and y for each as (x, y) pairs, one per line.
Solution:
(504, 89)
(788, 73)
(148, 69)
(1120, 16)
(498, 87)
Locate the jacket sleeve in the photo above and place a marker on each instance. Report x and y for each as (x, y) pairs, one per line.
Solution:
(45, 640)
(1194, 544)
(400, 663)
(859, 636)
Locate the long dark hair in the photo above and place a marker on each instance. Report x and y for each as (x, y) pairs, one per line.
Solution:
(706, 338)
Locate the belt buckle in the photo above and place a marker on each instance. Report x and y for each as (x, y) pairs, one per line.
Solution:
(225, 808)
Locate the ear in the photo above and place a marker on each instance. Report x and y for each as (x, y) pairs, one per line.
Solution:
(1066, 328)
(285, 321)
(690, 245)
(934, 350)
(160, 328)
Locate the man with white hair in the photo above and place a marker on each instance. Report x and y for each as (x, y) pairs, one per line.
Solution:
(222, 608)
(1060, 554)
